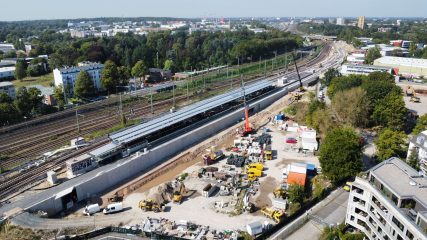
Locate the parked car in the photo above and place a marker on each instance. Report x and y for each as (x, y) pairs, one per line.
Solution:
(291, 140)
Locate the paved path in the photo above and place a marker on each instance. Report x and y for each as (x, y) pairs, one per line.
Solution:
(331, 211)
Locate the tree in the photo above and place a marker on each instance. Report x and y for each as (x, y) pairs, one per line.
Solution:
(124, 75)
(377, 90)
(22, 101)
(421, 125)
(35, 98)
(296, 193)
(390, 112)
(139, 70)
(84, 85)
(58, 94)
(4, 98)
(20, 70)
(373, 53)
(8, 114)
(329, 75)
(413, 159)
(351, 107)
(169, 65)
(341, 154)
(110, 76)
(391, 143)
(343, 83)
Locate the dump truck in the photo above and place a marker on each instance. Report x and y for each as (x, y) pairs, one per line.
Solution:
(276, 215)
(149, 205)
(258, 166)
(253, 174)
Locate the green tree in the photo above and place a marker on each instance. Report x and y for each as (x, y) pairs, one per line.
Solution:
(377, 90)
(373, 53)
(329, 75)
(421, 125)
(84, 85)
(58, 94)
(341, 154)
(412, 49)
(139, 70)
(390, 112)
(413, 159)
(343, 83)
(381, 76)
(4, 98)
(391, 143)
(110, 76)
(23, 102)
(124, 75)
(20, 70)
(169, 65)
(296, 193)
(9, 114)
(351, 107)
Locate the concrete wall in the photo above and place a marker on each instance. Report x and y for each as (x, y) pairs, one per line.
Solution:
(106, 177)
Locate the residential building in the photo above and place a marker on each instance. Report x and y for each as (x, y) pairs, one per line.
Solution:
(410, 67)
(361, 22)
(348, 69)
(365, 41)
(389, 202)
(8, 88)
(67, 76)
(384, 29)
(357, 57)
(419, 144)
(340, 21)
(7, 73)
(406, 44)
(6, 47)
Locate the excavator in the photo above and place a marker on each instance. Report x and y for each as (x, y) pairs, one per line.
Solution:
(279, 193)
(150, 205)
(276, 215)
(178, 193)
(410, 92)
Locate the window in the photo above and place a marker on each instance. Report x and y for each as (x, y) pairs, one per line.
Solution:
(351, 218)
(398, 223)
(399, 237)
(409, 235)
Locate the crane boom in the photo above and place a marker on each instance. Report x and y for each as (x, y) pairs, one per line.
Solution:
(296, 67)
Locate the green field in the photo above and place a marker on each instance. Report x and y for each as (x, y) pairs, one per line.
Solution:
(44, 80)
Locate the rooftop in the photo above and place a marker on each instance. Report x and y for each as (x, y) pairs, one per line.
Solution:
(402, 61)
(401, 179)
(366, 66)
(85, 67)
(420, 140)
(5, 84)
(7, 69)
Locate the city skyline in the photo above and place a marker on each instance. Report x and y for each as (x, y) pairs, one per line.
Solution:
(49, 9)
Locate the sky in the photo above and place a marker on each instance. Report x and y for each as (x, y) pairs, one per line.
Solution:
(69, 9)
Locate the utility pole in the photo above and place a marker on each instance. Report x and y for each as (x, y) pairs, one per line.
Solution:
(265, 68)
(157, 57)
(151, 100)
(173, 93)
(77, 119)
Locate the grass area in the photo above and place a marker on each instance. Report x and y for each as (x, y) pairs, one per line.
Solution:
(44, 80)
(115, 128)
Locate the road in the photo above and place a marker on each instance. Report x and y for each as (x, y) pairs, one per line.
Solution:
(330, 211)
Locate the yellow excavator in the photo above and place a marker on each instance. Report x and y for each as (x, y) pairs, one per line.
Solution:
(410, 92)
(276, 215)
(178, 193)
(150, 205)
(279, 193)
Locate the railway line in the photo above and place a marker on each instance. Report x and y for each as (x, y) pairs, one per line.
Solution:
(24, 180)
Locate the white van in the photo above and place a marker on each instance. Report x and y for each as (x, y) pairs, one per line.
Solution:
(114, 207)
(91, 209)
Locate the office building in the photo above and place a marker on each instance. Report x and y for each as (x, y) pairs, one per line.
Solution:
(418, 143)
(410, 67)
(389, 202)
(361, 69)
(341, 21)
(361, 22)
(8, 88)
(67, 76)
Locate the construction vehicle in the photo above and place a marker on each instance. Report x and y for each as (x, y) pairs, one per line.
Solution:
(178, 193)
(347, 186)
(415, 99)
(212, 157)
(258, 166)
(301, 87)
(247, 128)
(149, 205)
(268, 155)
(253, 174)
(410, 91)
(279, 193)
(115, 198)
(276, 215)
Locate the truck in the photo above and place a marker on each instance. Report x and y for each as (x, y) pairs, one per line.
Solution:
(258, 166)
(276, 215)
(113, 207)
(253, 174)
(209, 159)
(91, 209)
(208, 190)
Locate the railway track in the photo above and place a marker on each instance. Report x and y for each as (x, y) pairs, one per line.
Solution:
(22, 181)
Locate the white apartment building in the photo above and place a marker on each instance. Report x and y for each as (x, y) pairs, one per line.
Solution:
(67, 76)
(348, 69)
(419, 143)
(389, 202)
(8, 88)
(340, 21)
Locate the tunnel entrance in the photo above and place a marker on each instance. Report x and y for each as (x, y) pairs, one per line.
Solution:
(68, 197)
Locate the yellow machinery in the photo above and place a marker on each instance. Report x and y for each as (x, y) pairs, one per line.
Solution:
(150, 205)
(253, 174)
(415, 99)
(410, 91)
(268, 155)
(279, 193)
(257, 166)
(276, 215)
(177, 194)
(347, 186)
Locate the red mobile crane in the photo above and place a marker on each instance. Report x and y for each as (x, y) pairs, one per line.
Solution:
(247, 128)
